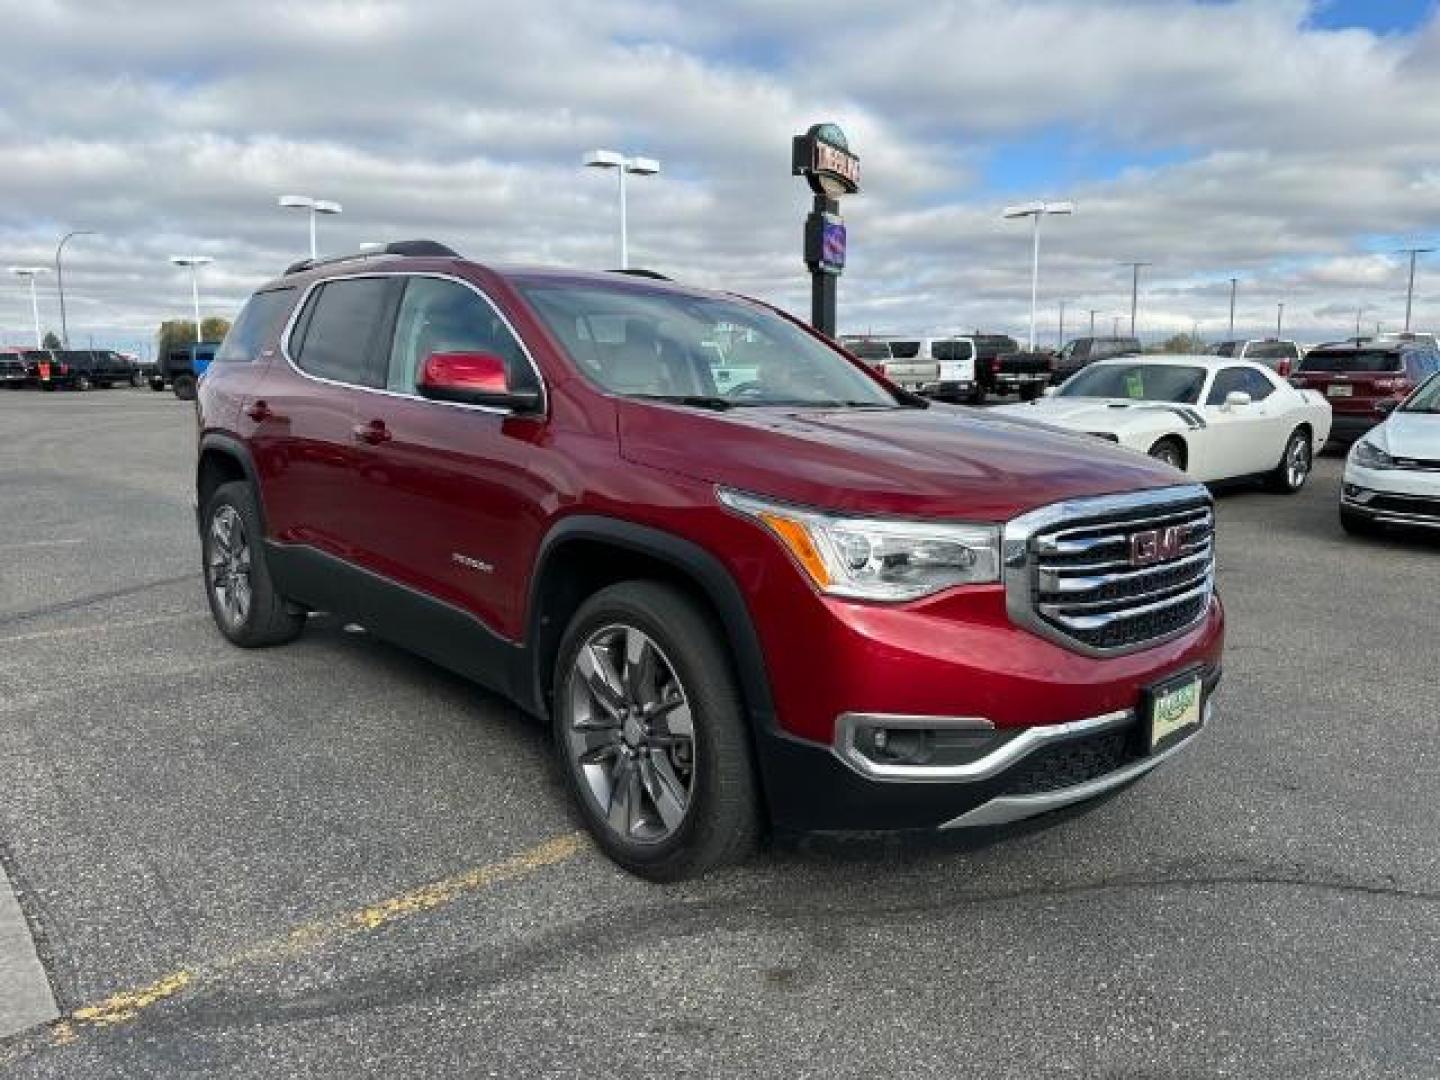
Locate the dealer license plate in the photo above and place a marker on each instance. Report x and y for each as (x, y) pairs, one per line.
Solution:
(1340, 389)
(1175, 707)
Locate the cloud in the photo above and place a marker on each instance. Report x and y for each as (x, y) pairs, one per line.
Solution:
(1237, 139)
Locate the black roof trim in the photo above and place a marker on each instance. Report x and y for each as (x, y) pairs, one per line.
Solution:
(413, 248)
(637, 271)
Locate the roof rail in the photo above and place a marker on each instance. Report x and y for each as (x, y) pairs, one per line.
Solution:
(637, 271)
(413, 248)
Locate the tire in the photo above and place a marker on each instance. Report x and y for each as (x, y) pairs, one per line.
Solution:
(48, 387)
(1029, 391)
(245, 605)
(1358, 524)
(157, 385)
(679, 670)
(977, 396)
(1171, 451)
(184, 387)
(1296, 462)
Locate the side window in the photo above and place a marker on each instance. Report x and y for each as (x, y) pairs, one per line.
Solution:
(1227, 381)
(1257, 385)
(256, 325)
(437, 315)
(343, 320)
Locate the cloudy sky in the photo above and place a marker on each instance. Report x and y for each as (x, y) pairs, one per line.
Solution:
(1295, 145)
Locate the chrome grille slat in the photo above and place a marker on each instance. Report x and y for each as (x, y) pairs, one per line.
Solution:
(1069, 575)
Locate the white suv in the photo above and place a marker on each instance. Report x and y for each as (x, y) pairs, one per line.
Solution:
(939, 367)
(1279, 356)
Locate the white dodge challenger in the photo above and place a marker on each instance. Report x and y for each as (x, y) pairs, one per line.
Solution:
(1213, 417)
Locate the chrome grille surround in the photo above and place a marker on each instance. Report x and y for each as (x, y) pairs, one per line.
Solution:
(1068, 575)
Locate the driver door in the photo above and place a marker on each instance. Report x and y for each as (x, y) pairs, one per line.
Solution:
(1242, 437)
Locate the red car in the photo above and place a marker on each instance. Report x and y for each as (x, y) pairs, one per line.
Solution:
(811, 601)
(1365, 379)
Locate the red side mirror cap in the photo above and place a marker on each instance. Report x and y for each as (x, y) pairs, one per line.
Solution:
(473, 378)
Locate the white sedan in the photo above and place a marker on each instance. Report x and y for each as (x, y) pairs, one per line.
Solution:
(1392, 476)
(1213, 417)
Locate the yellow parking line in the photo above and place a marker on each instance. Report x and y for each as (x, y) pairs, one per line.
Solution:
(122, 1007)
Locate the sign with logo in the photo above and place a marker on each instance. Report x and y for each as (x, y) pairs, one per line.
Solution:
(825, 242)
(1156, 545)
(822, 155)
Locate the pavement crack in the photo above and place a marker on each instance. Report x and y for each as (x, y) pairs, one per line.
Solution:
(95, 598)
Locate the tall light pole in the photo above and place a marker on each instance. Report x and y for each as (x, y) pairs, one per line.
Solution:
(1060, 333)
(1358, 312)
(1093, 313)
(1115, 330)
(60, 281)
(1134, 290)
(1410, 289)
(315, 207)
(1279, 318)
(640, 166)
(32, 272)
(194, 262)
(1233, 282)
(1035, 211)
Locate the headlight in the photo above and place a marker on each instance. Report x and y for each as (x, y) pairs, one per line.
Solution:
(1369, 456)
(876, 559)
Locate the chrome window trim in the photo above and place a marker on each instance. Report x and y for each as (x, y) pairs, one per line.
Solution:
(494, 410)
(983, 768)
(1020, 575)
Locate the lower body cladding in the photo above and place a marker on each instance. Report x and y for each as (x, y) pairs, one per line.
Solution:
(1408, 497)
(909, 772)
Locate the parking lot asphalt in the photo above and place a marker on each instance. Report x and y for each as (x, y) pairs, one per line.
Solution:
(334, 859)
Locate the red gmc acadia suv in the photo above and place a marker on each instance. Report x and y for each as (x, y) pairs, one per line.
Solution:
(809, 599)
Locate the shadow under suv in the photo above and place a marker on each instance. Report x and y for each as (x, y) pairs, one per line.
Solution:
(812, 600)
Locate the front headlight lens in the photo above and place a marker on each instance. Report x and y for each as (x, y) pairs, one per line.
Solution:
(873, 559)
(1370, 456)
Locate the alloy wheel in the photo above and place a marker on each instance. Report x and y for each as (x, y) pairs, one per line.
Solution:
(1297, 462)
(228, 566)
(631, 734)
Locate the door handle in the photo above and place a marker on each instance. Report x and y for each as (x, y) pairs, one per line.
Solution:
(372, 432)
(258, 411)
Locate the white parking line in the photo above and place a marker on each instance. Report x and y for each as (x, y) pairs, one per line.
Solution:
(25, 996)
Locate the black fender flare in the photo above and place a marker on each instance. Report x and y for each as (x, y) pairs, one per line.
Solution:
(698, 564)
(231, 447)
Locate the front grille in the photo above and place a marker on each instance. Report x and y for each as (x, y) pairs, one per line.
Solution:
(1416, 505)
(1073, 762)
(1070, 574)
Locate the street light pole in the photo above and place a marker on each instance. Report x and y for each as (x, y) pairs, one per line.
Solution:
(194, 262)
(640, 166)
(1233, 282)
(60, 281)
(32, 272)
(315, 207)
(1060, 333)
(1410, 289)
(1093, 313)
(1134, 290)
(1035, 211)
(1358, 312)
(1279, 319)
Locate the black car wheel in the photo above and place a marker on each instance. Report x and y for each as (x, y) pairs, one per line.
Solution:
(650, 733)
(1295, 464)
(184, 387)
(243, 599)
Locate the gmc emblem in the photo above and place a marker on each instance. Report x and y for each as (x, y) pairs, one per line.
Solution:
(1155, 545)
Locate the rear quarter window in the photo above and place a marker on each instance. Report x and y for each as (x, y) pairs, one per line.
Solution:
(256, 326)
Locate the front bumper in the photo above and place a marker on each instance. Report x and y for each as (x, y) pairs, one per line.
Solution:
(1028, 378)
(947, 389)
(1392, 496)
(1031, 771)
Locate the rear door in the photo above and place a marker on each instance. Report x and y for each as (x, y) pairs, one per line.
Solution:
(303, 422)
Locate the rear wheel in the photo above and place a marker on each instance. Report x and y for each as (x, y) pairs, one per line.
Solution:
(47, 386)
(650, 733)
(1029, 391)
(184, 387)
(1170, 451)
(977, 396)
(243, 599)
(1295, 463)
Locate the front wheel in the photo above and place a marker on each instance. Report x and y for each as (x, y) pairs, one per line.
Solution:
(650, 732)
(184, 387)
(1295, 464)
(243, 600)
(1170, 452)
(1029, 391)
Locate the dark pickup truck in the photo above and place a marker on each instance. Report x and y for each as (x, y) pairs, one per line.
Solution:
(1001, 367)
(77, 369)
(180, 368)
(12, 369)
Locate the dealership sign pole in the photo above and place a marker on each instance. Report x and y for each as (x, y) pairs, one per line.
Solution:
(822, 155)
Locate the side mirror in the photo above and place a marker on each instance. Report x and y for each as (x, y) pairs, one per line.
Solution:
(1049, 391)
(1236, 398)
(473, 378)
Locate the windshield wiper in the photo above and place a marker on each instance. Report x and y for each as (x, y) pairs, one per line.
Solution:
(696, 401)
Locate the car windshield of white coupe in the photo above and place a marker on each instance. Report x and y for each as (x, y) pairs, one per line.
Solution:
(1170, 383)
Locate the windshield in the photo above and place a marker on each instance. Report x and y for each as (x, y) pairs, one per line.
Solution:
(1426, 399)
(710, 353)
(1322, 360)
(1138, 382)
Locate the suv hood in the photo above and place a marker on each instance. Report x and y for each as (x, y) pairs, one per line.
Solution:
(937, 462)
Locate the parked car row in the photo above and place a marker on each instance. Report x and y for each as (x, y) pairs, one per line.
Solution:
(964, 369)
(70, 369)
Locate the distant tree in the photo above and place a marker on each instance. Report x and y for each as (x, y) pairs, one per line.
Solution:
(177, 333)
(51, 341)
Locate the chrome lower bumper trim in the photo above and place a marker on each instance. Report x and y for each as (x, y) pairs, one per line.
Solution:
(1008, 808)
